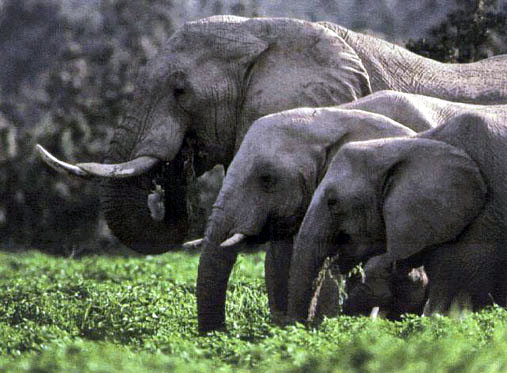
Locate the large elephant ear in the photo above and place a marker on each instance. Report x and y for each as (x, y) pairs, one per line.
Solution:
(306, 64)
(291, 63)
(431, 193)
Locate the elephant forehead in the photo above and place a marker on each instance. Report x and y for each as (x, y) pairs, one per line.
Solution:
(267, 143)
(345, 164)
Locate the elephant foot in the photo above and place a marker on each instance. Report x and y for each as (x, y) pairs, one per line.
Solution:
(281, 319)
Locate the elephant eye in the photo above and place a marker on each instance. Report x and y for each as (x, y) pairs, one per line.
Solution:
(267, 181)
(178, 92)
(332, 202)
(177, 81)
(332, 205)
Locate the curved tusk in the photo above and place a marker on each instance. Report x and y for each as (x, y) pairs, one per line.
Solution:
(234, 240)
(58, 165)
(194, 244)
(131, 168)
(374, 312)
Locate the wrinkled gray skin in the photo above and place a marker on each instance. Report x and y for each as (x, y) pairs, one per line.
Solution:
(269, 185)
(437, 198)
(285, 142)
(196, 99)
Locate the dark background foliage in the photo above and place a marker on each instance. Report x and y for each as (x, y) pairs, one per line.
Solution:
(67, 69)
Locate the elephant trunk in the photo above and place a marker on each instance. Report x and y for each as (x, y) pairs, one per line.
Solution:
(313, 244)
(215, 266)
(125, 201)
(125, 207)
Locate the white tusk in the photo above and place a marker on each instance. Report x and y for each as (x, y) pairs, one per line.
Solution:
(58, 165)
(374, 312)
(195, 244)
(131, 168)
(234, 240)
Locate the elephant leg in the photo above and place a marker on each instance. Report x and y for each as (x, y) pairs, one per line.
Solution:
(439, 299)
(464, 275)
(276, 270)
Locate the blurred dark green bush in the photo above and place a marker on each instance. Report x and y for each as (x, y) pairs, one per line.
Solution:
(477, 29)
(65, 75)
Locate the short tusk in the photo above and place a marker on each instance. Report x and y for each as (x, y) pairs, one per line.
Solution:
(131, 168)
(234, 240)
(58, 165)
(374, 312)
(194, 244)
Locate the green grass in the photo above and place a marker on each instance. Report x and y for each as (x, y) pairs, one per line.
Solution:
(101, 314)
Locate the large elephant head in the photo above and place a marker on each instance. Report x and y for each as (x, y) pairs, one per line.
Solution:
(196, 99)
(269, 186)
(397, 196)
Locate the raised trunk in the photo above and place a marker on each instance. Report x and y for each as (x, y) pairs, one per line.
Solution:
(392, 67)
(215, 265)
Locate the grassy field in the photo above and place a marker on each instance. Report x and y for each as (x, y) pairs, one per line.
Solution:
(101, 314)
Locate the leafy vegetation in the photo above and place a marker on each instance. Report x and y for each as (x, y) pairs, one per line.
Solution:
(100, 314)
(65, 76)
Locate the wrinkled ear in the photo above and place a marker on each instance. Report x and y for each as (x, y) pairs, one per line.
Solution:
(226, 37)
(431, 194)
(305, 64)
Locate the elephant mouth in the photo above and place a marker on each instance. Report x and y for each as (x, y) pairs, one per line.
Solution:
(144, 226)
(276, 229)
(144, 200)
(350, 252)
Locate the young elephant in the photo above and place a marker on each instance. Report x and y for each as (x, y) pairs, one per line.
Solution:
(437, 198)
(249, 206)
(267, 190)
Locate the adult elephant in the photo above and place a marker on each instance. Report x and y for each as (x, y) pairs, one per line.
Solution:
(437, 198)
(293, 149)
(196, 99)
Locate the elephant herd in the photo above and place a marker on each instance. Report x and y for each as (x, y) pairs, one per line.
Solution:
(335, 144)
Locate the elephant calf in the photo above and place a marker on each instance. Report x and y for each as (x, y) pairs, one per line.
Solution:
(271, 180)
(266, 192)
(437, 198)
